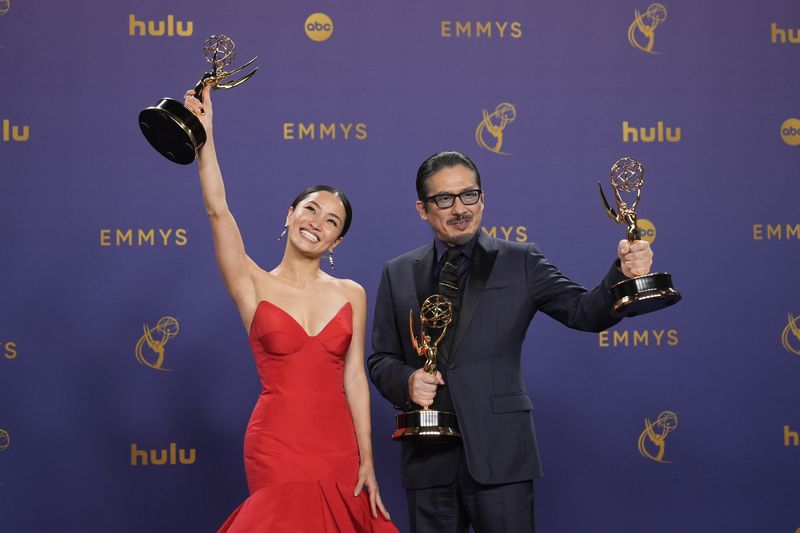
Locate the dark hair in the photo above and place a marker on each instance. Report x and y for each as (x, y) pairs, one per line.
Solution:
(348, 211)
(438, 161)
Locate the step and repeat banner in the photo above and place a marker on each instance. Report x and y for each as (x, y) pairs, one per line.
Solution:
(126, 379)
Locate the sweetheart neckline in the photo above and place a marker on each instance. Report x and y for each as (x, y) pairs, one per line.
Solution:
(294, 320)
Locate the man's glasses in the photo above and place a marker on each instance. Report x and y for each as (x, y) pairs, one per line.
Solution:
(445, 200)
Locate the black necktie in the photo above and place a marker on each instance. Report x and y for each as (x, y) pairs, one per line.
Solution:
(448, 287)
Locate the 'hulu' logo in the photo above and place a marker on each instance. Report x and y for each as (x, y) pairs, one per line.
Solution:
(172, 456)
(780, 35)
(790, 438)
(159, 28)
(647, 135)
(12, 133)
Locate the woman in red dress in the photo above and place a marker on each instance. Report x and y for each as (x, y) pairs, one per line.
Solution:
(308, 447)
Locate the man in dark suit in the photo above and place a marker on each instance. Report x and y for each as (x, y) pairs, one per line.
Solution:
(485, 479)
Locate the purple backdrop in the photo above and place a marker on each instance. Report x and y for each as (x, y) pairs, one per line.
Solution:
(101, 237)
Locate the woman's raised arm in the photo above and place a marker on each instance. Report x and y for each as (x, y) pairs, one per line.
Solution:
(238, 270)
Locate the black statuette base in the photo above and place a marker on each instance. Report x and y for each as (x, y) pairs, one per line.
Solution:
(172, 130)
(643, 294)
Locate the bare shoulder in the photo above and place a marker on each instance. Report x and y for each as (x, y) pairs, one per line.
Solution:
(351, 289)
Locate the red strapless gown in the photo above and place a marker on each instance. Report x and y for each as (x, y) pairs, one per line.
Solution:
(300, 450)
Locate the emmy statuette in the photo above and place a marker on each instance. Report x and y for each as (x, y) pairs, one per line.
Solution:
(426, 424)
(642, 294)
(172, 129)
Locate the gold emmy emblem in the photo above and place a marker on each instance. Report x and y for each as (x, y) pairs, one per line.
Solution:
(5, 440)
(642, 294)
(426, 424)
(172, 129)
(494, 124)
(645, 24)
(793, 329)
(654, 435)
(156, 338)
(5, 6)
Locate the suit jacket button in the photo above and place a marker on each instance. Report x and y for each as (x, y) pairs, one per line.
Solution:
(451, 366)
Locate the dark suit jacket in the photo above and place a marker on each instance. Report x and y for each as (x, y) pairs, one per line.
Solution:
(508, 283)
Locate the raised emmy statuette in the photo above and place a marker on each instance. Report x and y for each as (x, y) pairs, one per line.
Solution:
(171, 128)
(642, 294)
(426, 424)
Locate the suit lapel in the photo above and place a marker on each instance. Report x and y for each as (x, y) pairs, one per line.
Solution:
(422, 269)
(483, 258)
(423, 275)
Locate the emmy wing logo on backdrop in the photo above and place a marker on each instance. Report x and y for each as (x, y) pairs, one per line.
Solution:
(5, 440)
(319, 27)
(642, 31)
(651, 441)
(489, 133)
(150, 346)
(790, 338)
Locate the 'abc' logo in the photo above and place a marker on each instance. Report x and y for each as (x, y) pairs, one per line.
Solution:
(647, 230)
(790, 131)
(319, 27)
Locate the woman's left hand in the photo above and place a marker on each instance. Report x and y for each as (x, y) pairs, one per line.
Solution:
(366, 479)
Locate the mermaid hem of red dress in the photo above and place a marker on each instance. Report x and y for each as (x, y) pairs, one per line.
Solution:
(306, 506)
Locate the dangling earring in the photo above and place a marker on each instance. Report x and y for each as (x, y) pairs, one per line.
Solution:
(285, 228)
(330, 259)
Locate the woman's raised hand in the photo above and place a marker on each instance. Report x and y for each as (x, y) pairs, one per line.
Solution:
(204, 110)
